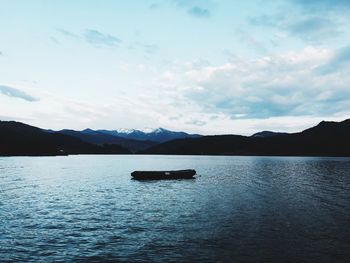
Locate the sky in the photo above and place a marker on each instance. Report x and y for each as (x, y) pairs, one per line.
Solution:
(200, 66)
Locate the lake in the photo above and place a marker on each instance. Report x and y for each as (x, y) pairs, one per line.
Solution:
(242, 209)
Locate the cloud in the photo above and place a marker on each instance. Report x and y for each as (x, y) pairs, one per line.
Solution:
(266, 20)
(195, 8)
(1, 54)
(285, 84)
(196, 122)
(68, 33)
(93, 37)
(98, 39)
(11, 118)
(339, 61)
(313, 21)
(54, 40)
(323, 5)
(243, 96)
(16, 93)
(313, 28)
(199, 12)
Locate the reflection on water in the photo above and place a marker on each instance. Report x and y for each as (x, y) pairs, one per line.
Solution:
(243, 209)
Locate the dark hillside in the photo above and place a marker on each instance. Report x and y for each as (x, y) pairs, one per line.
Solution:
(325, 139)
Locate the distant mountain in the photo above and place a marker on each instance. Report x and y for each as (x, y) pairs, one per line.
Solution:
(133, 140)
(21, 139)
(156, 135)
(100, 138)
(325, 139)
(265, 134)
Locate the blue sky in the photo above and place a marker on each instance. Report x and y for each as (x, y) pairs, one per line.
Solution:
(205, 66)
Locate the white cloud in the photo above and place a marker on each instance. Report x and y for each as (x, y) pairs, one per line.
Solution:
(247, 96)
(16, 93)
(279, 85)
(282, 92)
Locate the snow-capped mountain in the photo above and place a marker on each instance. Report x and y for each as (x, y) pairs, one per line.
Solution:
(128, 131)
(156, 135)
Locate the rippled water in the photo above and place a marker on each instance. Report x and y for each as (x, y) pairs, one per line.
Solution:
(242, 209)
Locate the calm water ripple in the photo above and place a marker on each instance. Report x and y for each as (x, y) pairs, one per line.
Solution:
(238, 209)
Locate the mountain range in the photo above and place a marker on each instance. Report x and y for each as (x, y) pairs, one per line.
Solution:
(133, 140)
(155, 135)
(19, 139)
(325, 139)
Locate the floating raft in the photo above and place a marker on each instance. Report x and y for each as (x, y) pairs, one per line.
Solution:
(161, 175)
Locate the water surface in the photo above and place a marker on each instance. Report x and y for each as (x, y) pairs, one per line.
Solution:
(242, 209)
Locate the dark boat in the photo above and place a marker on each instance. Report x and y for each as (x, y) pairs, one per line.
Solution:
(159, 175)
